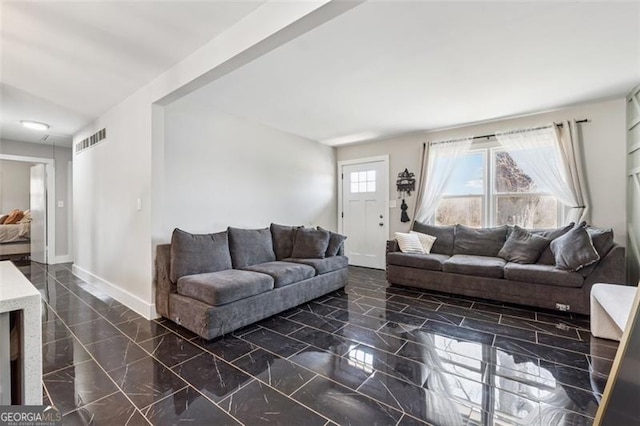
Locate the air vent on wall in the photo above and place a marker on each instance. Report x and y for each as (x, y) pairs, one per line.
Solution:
(91, 140)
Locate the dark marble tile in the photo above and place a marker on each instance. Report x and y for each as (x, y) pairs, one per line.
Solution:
(441, 298)
(62, 353)
(504, 310)
(548, 353)
(79, 314)
(448, 330)
(171, 349)
(275, 371)
(393, 365)
(274, 342)
(541, 327)
(564, 417)
(563, 320)
(371, 338)
(114, 409)
(601, 347)
(317, 321)
(361, 291)
(432, 315)
(344, 406)
(321, 339)
(281, 325)
(54, 330)
(350, 372)
(78, 385)
(316, 308)
(94, 331)
(140, 329)
(178, 329)
(48, 314)
(415, 302)
(403, 291)
(407, 420)
(227, 347)
(64, 302)
(115, 352)
(355, 318)
(587, 380)
(119, 314)
(401, 318)
(389, 304)
(187, 407)
(212, 376)
(258, 404)
(469, 313)
(99, 303)
(147, 381)
(347, 304)
(503, 330)
(246, 330)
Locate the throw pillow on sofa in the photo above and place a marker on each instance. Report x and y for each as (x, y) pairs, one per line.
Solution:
(283, 238)
(310, 243)
(250, 246)
(198, 253)
(479, 241)
(547, 258)
(427, 241)
(522, 246)
(574, 250)
(409, 243)
(602, 241)
(444, 236)
(336, 241)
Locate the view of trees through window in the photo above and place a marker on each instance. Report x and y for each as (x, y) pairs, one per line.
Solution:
(496, 192)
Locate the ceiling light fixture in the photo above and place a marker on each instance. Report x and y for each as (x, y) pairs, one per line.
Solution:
(34, 125)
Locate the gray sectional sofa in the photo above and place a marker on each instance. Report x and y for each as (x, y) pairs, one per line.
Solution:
(213, 284)
(478, 263)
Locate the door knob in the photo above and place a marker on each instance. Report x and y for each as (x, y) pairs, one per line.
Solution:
(381, 224)
(381, 216)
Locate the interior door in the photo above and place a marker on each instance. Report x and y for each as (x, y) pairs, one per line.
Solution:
(38, 206)
(364, 220)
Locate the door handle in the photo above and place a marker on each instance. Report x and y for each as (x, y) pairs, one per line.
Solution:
(381, 224)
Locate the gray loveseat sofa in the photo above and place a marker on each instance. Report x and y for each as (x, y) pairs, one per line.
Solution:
(213, 284)
(466, 261)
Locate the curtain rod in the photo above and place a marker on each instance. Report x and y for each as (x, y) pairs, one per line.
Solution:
(493, 135)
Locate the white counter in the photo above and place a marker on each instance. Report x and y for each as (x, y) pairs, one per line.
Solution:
(18, 294)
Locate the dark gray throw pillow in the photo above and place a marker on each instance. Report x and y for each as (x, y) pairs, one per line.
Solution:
(335, 242)
(250, 247)
(444, 236)
(310, 244)
(522, 246)
(283, 237)
(574, 250)
(198, 253)
(547, 257)
(479, 241)
(602, 241)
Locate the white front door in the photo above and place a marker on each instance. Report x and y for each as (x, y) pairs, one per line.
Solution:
(364, 215)
(38, 206)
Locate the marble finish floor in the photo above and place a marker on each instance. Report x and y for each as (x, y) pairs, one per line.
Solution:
(366, 355)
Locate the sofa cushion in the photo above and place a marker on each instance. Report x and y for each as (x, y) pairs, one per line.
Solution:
(480, 241)
(310, 243)
(602, 240)
(427, 241)
(574, 250)
(220, 288)
(432, 262)
(444, 236)
(482, 266)
(323, 266)
(284, 273)
(547, 258)
(250, 246)
(336, 241)
(523, 246)
(542, 274)
(283, 237)
(198, 253)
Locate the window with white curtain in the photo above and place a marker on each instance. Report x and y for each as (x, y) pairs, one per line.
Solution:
(487, 188)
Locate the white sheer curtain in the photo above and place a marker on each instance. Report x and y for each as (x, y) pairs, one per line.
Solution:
(551, 157)
(439, 160)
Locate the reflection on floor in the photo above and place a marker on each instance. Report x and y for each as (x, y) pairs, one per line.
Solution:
(371, 354)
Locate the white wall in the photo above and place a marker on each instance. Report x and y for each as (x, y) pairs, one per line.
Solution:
(604, 151)
(14, 185)
(63, 170)
(114, 245)
(223, 171)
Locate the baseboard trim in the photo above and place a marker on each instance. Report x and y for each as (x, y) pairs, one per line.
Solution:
(62, 259)
(147, 310)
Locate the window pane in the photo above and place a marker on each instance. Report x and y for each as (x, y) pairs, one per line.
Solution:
(468, 176)
(527, 211)
(463, 210)
(371, 187)
(371, 175)
(354, 187)
(510, 177)
(354, 176)
(362, 176)
(362, 187)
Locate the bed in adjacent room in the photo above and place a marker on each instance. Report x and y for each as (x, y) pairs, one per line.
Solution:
(15, 237)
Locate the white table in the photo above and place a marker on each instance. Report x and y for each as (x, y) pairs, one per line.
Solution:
(18, 294)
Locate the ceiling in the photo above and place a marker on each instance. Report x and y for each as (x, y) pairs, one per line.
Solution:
(386, 68)
(383, 68)
(66, 63)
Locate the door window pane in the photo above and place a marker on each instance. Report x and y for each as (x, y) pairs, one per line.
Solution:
(527, 211)
(364, 181)
(463, 210)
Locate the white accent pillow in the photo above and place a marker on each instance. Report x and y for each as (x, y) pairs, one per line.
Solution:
(409, 243)
(426, 241)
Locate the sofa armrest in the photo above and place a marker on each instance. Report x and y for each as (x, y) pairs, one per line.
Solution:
(611, 269)
(392, 246)
(164, 286)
